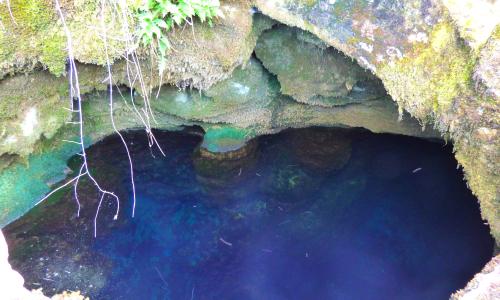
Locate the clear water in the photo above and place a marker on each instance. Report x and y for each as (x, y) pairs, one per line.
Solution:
(289, 222)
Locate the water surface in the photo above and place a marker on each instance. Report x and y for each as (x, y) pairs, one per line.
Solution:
(312, 214)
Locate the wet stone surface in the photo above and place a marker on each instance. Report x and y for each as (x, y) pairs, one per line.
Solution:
(304, 214)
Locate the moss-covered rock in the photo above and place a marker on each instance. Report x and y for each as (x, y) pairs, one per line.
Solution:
(427, 80)
(238, 98)
(486, 74)
(30, 107)
(309, 70)
(32, 36)
(475, 19)
(225, 139)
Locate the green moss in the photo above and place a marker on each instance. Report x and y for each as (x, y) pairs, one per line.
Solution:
(496, 33)
(29, 15)
(33, 35)
(428, 79)
(308, 3)
(30, 36)
(482, 182)
(9, 106)
(53, 53)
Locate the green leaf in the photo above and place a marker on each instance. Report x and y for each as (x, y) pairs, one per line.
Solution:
(157, 17)
(161, 23)
(163, 45)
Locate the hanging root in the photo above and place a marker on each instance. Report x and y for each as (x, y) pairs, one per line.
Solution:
(75, 94)
(118, 11)
(7, 2)
(110, 84)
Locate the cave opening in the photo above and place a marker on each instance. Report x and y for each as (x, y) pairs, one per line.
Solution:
(244, 207)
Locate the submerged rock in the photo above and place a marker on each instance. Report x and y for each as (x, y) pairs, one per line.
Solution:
(219, 169)
(321, 150)
(12, 282)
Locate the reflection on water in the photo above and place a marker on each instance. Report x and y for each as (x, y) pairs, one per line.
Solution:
(306, 214)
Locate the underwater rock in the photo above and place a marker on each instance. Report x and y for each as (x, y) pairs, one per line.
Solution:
(293, 182)
(12, 282)
(68, 262)
(312, 72)
(219, 169)
(321, 150)
(11, 285)
(189, 235)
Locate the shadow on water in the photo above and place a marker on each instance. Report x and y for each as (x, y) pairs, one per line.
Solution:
(305, 214)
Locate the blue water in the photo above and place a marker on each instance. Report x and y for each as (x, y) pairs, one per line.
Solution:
(312, 214)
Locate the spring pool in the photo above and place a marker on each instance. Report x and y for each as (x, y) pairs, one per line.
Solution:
(305, 214)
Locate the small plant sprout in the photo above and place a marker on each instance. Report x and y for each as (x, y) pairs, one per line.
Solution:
(157, 17)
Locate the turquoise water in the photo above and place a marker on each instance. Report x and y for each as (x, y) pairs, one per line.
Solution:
(309, 214)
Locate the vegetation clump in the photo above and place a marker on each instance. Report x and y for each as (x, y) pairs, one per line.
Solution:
(157, 17)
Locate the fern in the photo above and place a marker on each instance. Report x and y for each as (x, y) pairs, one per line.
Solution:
(157, 17)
